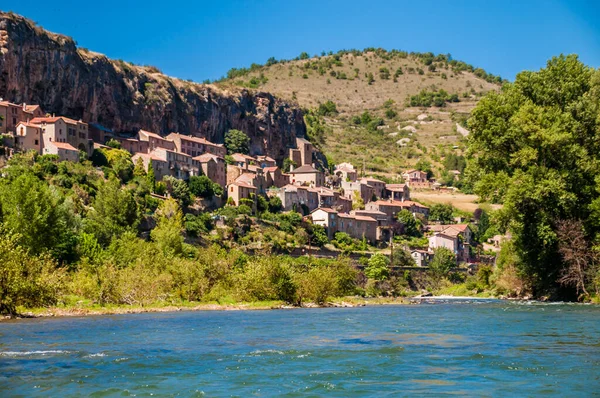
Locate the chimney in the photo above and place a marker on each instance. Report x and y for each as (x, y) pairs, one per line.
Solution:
(24, 106)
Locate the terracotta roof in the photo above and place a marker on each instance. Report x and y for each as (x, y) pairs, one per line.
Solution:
(395, 187)
(29, 124)
(242, 184)
(306, 169)
(358, 218)
(148, 156)
(31, 108)
(265, 157)
(38, 120)
(199, 140)
(374, 212)
(371, 179)
(346, 169)
(63, 145)
(154, 135)
(325, 209)
(271, 169)
(246, 177)
(416, 204)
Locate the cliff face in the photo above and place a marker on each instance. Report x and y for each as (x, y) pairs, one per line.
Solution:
(43, 68)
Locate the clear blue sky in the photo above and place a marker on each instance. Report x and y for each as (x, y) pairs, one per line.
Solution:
(202, 39)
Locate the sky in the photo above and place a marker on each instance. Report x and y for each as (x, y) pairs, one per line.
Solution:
(201, 40)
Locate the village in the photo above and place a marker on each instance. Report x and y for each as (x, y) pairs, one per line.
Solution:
(364, 208)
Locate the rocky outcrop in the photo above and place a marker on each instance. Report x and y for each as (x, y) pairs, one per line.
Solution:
(43, 68)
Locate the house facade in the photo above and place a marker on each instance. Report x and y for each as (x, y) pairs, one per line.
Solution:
(307, 175)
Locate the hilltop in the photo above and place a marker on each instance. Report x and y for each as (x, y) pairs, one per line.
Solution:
(413, 102)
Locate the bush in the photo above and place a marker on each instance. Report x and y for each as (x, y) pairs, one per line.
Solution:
(377, 268)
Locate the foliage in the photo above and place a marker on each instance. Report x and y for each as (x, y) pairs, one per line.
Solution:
(179, 190)
(25, 279)
(328, 108)
(409, 223)
(237, 142)
(435, 98)
(442, 213)
(169, 225)
(377, 267)
(537, 152)
(202, 186)
(443, 261)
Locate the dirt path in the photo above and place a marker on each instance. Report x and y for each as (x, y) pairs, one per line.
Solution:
(459, 200)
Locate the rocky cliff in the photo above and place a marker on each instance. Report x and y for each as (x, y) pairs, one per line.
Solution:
(44, 68)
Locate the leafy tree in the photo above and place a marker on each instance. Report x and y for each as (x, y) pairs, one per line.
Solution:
(113, 144)
(407, 219)
(275, 205)
(390, 113)
(151, 177)
(30, 281)
(441, 212)
(377, 267)
(36, 212)
(328, 108)
(287, 164)
(237, 142)
(537, 151)
(384, 73)
(425, 166)
(113, 212)
(138, 170)
(202, 186)
(169, 225)
(443, 261)
(179, 190)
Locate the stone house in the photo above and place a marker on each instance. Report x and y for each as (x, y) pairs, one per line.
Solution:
(455, 237)
(378, 186)
(421, 257)
(64, 130)
(64, 150)
(275, 178)
(256, 180)
(358, 227)
(11, 114)
(298, 198)
(414, 176)
(156, 141)
(327, 218)
(265, 161)
(195, 146)
(213, 167)
(100, 134)
(133, 145)
(365, 191)
(159, 165)
(28, 136)
(397, 191)
(307, 175)
(345, 172)
(243, 161)
(303, 153)
(240, 190)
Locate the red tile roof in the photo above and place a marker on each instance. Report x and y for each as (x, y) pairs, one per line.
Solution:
(54, 119)
(63, 145)
(325, 209)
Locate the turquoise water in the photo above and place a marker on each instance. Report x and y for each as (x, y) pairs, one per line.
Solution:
(477, 349)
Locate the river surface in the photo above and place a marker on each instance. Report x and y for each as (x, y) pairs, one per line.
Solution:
(499, 349)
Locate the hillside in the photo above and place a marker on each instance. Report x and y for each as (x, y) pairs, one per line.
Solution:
(44, 68)
(381, 83)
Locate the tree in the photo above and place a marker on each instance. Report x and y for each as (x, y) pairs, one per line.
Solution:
(113, 144)
(384, 73)
(36, 212)
(409, 223)
(442, 213)
(30, 281)
(377, 267)
(425, 166)
(150, 176)
(237, 142)
(443, 261)
(179, 190)
(537, 151)
(202, 186)
(113, 212)
(169, 225)
(288, 164)
(357, 201)
(275, 205)
(138, 170)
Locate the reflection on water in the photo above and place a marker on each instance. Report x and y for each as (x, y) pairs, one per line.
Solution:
(482, 348)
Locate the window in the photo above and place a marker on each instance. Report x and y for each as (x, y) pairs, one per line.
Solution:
(36, 142)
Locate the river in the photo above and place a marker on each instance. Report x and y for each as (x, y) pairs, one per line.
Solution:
(471, 349)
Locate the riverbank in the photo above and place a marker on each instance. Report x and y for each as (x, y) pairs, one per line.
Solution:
(96, 310)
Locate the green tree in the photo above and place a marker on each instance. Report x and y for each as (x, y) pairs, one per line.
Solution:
(441, 212)
(443, 261)
(537, 151)
(237, 142)
(378, 267)
(202, 186)
(409, 223)
(25, 280)
(36, 211)
(150, 176)
(179, 190)
(169, 225)
(370, 78)
(113, 212)
(138, 170)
